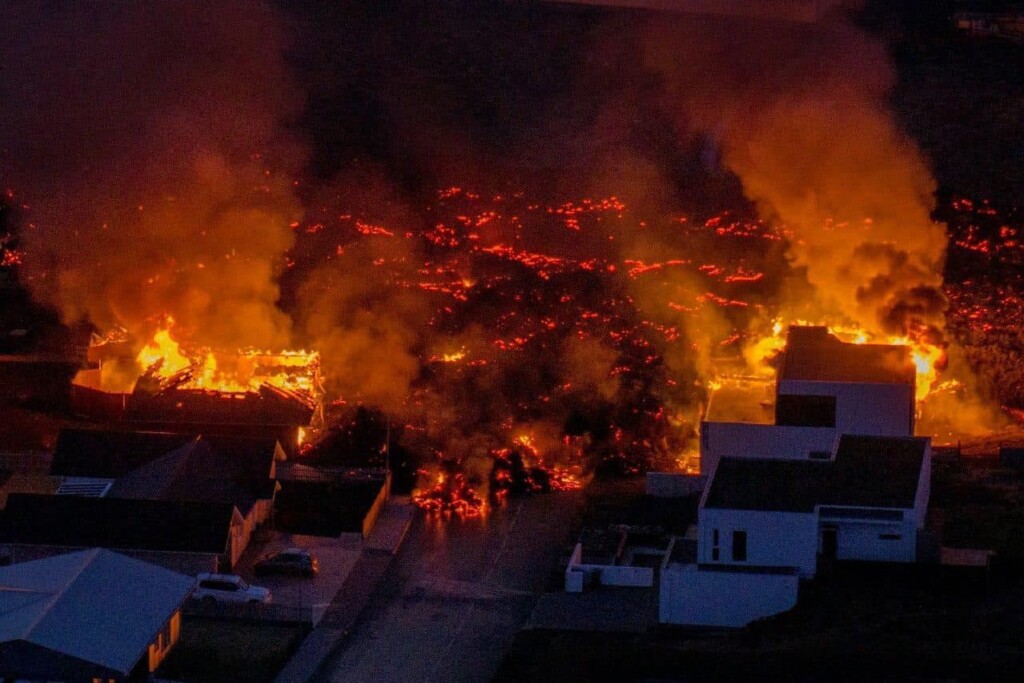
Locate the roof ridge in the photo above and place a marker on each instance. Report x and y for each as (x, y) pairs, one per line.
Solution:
(90, 556)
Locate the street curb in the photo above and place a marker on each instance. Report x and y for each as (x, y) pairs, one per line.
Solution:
(345, 608)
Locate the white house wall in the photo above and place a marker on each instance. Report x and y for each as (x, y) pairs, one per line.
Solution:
(699, 597)
(863, 408)
(774, 539)
(746, 440)
(863, 540)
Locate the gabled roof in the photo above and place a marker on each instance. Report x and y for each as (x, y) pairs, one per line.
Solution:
(115, 453)
(867, 471)
(119, 523)
(163, 466)
(94, 605)
(109, 453)
(813, 354)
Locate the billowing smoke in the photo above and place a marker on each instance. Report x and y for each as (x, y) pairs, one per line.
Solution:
(352, 306)
(800, 114)
(142, 136)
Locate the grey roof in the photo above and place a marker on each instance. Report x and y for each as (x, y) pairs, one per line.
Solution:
(868, 471)
(95, 605)
(813, 354)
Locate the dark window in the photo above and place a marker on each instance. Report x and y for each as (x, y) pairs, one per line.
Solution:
(714, 546)
(739, 546)
(805, 411)
(890, 537)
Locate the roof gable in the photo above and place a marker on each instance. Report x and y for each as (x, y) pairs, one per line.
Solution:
(94, 605)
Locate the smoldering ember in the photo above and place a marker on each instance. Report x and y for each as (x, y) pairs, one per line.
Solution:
(511, 340)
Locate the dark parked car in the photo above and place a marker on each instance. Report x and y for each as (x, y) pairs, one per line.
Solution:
(291, 561)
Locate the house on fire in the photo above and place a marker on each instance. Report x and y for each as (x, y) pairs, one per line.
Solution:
(824, 388)
(88, 616)
(765, 523)
(824, 466)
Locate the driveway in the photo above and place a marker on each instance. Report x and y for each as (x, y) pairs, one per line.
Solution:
(336, 556)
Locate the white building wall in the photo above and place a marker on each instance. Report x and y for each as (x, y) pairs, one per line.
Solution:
(774, 539)
(862, 540)
(863, 408)
(700, 597)
(746, 440)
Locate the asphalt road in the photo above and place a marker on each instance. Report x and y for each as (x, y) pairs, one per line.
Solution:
(456, 594)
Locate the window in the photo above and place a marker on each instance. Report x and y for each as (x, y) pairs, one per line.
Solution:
(714, 546)
(739, 546)
(890, 537)
(805, 410)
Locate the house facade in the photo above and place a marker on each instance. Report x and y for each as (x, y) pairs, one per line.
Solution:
(765, 523)
(824, 388)
(822, 466)
(86, 616)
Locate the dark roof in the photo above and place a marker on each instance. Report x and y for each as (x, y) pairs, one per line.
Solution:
(116, 523)
(165, 466)
(813, 354)
(201, 471)
(109, 454)
(868, 471)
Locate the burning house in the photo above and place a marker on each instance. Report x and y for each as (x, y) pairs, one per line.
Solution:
(824, 388)
(166, 387)
(828, 468)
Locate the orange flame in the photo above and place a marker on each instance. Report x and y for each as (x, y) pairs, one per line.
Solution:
(926, 357)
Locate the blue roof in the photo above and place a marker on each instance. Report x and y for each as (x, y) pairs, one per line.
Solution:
(94, 605)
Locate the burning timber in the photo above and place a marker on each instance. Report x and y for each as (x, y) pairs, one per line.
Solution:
(273, 394)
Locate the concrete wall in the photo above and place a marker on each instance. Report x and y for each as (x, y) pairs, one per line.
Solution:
(579, 575)
(774, 539)
(863, 408)
(746, 440)
(703, 597)
(862, 540)
(674, 484)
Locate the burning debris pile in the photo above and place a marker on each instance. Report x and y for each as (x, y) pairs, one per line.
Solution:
(167, 383)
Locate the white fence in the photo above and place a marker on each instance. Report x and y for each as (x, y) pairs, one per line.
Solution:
(579, 576)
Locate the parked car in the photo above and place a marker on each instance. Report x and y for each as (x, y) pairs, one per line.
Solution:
(214, 588)
(291, 561)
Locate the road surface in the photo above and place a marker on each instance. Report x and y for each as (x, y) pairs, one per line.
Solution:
(456, 594)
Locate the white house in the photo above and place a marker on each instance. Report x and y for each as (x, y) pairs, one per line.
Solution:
(824, 387)
(763, 523)
(87, 616)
